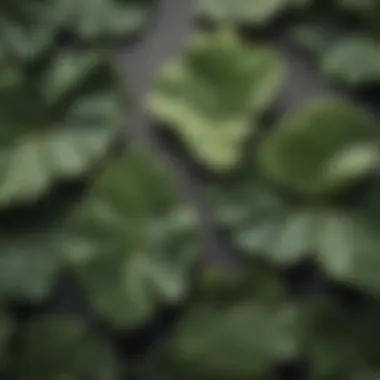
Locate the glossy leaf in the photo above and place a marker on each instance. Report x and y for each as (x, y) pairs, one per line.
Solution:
(56, 124)
(322, 150)
(213, 96)
(131, 243)
(255, 12)
(63, 347)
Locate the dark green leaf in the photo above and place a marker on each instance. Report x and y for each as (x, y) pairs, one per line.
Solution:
(131, 243)
(28, 266)
(63, 347)
(322, 150)
(240, 342)
(55, 124)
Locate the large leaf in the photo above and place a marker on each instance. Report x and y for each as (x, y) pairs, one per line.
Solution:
(256, 12)
(102, 19)
(322, 150)
(353, 61)
(56, 123)
(213, 96)
(344, 244)
(131, 243)
(242, 341)
(63, 347)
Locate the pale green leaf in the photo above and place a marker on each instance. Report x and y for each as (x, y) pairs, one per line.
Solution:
(213, 96)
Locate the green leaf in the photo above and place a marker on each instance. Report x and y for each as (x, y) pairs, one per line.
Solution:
(322, 150)
(285, 239)
(316, 38)
(63, 347)
(56, 124)
(256, 12)
(24, 29)
(213, 96)
(28, 266)
(131, 243)
(102, 19)
(354, 61)
(242, 341)
(348, 248)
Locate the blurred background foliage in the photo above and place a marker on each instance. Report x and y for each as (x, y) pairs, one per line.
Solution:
(90, 216)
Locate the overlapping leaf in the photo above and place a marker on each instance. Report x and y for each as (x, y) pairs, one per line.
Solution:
(57, 120)
(322, 150)
(319, 153)
(131, 244)
(213, 97)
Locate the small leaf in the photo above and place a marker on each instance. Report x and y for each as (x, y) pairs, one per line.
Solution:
(255, 12)
(348, 248)
(213, 97)
(354, 61)
(101, 19)
(28, 267)
(316, 39)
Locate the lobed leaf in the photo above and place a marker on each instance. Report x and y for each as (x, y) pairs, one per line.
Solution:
(131, 243)
(213, 97)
